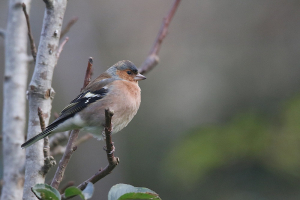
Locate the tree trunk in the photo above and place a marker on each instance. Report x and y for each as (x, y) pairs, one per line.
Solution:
(14, 102)
(40, 90)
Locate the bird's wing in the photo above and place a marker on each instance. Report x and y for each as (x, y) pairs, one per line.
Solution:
(79, 103)
(90, 94)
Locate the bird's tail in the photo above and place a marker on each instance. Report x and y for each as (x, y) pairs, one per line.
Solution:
(35, 139)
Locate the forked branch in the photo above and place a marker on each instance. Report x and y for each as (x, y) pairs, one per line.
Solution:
(32, 45)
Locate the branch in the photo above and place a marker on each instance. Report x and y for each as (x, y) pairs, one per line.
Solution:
(40, 92)
(112, 160)
(49, 161)
(153, 59)
(88, 73)
(61, 47)
(32, 45)
(69, 25)
(59, 174)
(15, 75)
(71, 143)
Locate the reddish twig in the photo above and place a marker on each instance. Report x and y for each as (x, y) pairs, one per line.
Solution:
(88, 73)
(61, 46)
(32, 45)
(109, 144)
(48, 160)
(41, 118)
(59, 174)
(153, 59)
(112, 160)
(69, 25)
(70, 148)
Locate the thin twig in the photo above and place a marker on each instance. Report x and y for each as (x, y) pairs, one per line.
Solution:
(48, 160)
(109, 144)
(70, 148)
(41, 118)
(69, 25)
(112, 160)
(59, 174)
(88, 73)
(153, 59)
(61, 46)
(32, 45)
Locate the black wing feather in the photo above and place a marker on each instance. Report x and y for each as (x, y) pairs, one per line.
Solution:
(78, 104)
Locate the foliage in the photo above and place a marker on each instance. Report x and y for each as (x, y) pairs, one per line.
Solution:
(44, 191)
(125, 191)
(248, 136)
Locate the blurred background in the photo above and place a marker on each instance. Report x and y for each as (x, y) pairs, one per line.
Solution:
(220, 114)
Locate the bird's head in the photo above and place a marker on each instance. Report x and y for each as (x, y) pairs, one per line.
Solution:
(125, 70)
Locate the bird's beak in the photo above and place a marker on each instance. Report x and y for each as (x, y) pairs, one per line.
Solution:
(139, 77)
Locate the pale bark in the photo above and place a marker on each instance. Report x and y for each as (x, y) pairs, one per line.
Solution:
(40, 90)
(14, 101)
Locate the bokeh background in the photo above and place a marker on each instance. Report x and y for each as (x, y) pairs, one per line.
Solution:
(220, 114)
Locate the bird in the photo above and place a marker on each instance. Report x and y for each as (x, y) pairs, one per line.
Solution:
(116, 89)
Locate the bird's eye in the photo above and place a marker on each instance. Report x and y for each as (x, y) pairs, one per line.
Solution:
(129, 72)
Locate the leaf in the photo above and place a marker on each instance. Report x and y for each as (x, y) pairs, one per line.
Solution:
(45, 192)
(125, 191)
(73, 191)
(87, 193)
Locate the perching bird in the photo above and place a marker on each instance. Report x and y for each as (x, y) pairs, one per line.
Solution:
(117, 89)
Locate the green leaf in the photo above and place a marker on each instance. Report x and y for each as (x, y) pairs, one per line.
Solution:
(73, 191)
(87, 193)
(125, 191)
(45, 192)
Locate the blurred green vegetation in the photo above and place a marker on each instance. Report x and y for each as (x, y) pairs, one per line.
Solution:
(272, 144)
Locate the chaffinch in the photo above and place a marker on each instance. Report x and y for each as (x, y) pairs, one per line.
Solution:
(117, 89)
